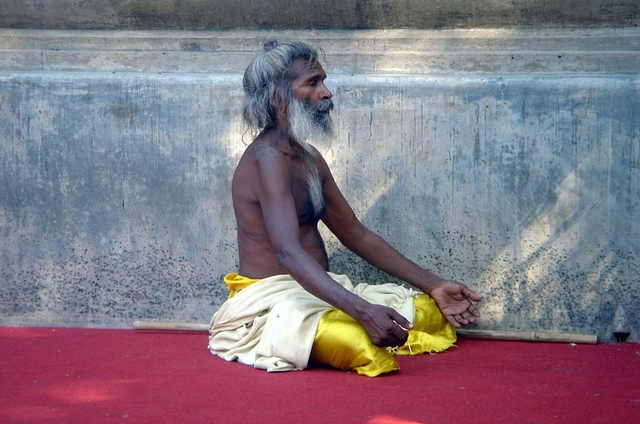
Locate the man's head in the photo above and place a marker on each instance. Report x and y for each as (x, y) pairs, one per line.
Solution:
(288, 78)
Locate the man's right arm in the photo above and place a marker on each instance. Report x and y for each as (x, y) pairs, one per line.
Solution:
(383, 324)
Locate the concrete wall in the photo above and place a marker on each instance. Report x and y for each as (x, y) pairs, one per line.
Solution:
(504, 158)
(315, 14)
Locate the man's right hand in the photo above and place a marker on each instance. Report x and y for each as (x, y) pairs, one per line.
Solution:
(385, 326)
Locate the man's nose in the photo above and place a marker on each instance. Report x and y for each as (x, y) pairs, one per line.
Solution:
(326, 93)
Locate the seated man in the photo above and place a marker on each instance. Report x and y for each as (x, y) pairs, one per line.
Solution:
(285, 308)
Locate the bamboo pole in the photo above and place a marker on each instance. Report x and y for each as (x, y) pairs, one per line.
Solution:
(529, 336)
(169, 326)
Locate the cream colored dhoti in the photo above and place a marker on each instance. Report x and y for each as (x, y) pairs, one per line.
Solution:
(275, 324)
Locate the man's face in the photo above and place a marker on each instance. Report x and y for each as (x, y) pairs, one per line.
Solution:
(308, 86)
(310, 104)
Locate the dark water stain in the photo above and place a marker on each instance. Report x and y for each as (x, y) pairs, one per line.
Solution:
(123, 110)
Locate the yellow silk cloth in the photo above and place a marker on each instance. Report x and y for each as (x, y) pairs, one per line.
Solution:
(236, 282)
(341, 342)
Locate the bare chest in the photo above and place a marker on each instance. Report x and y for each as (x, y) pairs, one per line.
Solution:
(308, 195)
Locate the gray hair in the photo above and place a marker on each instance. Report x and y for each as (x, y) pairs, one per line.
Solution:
(267, 80)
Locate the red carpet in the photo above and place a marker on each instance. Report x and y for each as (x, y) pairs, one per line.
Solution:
(60, 375)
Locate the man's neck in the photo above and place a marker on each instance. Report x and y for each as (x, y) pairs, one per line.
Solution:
(279, 138)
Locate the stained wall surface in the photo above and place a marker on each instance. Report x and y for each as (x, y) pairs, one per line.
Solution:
(316, 14)
(505, 159)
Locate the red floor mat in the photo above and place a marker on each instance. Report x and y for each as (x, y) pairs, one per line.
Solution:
(66, 375)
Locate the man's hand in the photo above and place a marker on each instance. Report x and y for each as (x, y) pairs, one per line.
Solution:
(454, 300)
(385, 326)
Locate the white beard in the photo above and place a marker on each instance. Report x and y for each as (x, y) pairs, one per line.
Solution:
(308, 123)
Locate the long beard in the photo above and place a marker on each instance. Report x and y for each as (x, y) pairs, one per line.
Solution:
(310, 123)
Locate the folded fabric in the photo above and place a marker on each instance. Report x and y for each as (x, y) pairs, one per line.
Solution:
(275, 324)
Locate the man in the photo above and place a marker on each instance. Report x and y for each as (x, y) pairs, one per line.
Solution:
(285, 307)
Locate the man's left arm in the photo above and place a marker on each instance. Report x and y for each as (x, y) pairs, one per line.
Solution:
(453, 298)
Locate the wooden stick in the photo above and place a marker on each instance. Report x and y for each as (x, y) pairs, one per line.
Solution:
(170, 326)
(530, 336)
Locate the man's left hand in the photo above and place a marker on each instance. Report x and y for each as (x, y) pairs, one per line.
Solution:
(454, 300)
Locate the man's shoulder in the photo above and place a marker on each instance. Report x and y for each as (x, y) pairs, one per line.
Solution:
(256, 151)
(263, 146)
(260, 158)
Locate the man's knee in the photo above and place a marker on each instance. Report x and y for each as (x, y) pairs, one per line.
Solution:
(342, 343)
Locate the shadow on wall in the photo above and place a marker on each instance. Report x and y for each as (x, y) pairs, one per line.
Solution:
(528, 193)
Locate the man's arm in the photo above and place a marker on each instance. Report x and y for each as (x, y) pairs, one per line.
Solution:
(453, 298)
(382, 324)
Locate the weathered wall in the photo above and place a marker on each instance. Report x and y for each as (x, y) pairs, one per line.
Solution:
(315, 14)
(114, 202)
(505, 159)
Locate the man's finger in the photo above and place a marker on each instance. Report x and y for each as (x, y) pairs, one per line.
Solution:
(469, 317)
(401, 334)
(462, 320)
(471, 295)
(453, 321)
(401, 321)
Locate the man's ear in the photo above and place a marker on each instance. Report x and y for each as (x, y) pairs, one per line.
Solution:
(280, 107)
